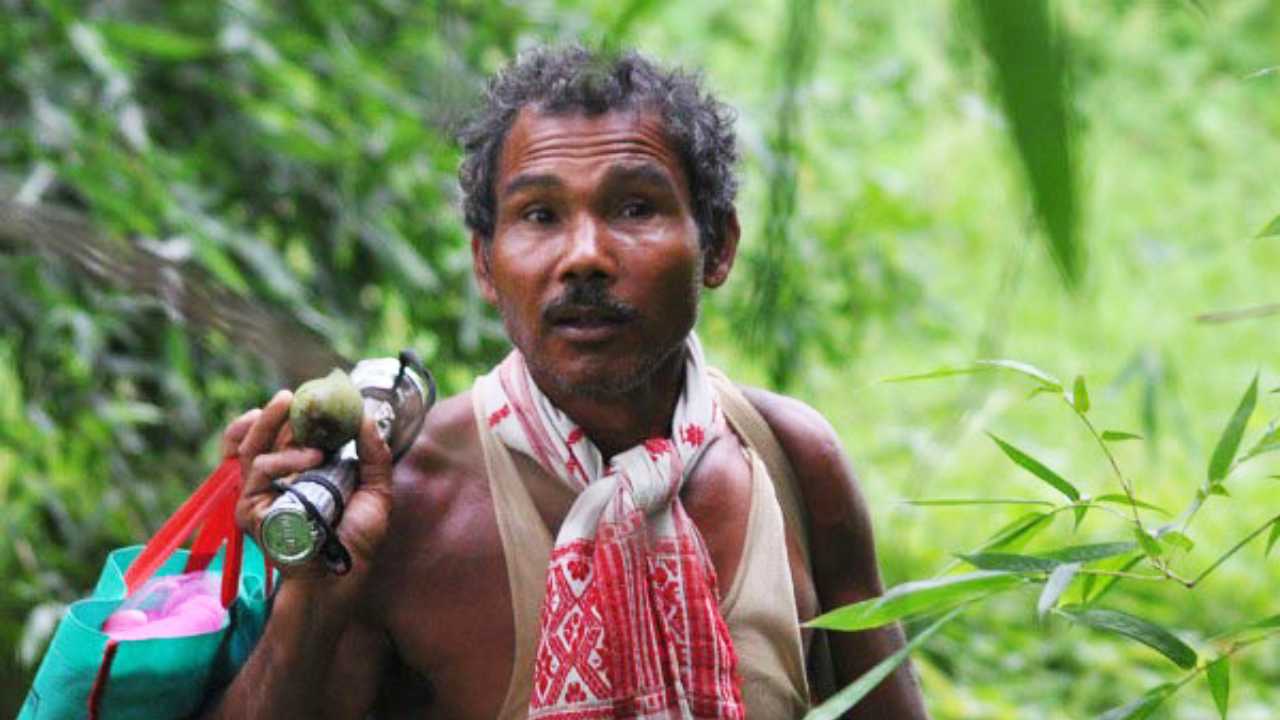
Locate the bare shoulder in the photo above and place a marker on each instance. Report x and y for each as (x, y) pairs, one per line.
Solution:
(796, 424)
(821, 465)
(447, 442)
(434, 478)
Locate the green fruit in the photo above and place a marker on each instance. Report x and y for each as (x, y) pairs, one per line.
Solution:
(326, 412)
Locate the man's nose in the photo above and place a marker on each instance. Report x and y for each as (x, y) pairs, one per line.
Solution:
(588, 252)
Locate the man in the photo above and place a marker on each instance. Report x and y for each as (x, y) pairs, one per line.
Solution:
(599, 195)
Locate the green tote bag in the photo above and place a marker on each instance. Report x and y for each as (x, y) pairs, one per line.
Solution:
(86, 674)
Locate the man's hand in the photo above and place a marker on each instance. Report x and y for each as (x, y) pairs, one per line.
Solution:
(262, 439)
(315, 632)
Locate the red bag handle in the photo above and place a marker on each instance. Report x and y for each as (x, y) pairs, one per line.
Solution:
(212, 508)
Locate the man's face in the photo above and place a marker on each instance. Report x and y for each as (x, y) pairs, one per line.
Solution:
(595, 262)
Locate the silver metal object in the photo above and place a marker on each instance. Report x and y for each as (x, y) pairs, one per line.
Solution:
(300, 524)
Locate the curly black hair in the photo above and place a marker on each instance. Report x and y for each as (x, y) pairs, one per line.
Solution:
(576, 79)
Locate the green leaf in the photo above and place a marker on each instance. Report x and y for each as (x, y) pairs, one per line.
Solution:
(1149, 545)
(1028, 53)
(1047, 381)
(1272, 538)
(1219, 675)
(1142, 707)
(1268, 442)
(153, 41)
(1019, 532)
(1122, 499)
(837, 704)
(1225, 451)
(1108, 583)
(1038, 469)
(1088, 553)
(930, 375)
(1010, 562)
(1030, 371)
(1273, 228)
(1136, 628)
(1119, 435)
(1176, 539)
(950, 502)
(1058, 582)
(915, 598)
(1080, 395)
(1270, 623)
(1079, 512)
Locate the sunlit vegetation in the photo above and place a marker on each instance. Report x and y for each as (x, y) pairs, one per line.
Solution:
(1073, 190)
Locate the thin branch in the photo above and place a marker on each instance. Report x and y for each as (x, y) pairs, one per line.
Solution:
(1233, 550)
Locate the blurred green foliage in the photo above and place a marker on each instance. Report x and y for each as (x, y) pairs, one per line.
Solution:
(900, 179)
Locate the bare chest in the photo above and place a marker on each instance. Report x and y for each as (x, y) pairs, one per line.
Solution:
(447, 602)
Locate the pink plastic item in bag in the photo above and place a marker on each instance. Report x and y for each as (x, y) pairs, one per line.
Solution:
(170, 606)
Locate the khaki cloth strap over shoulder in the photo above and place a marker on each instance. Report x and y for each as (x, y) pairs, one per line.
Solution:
(755, 431)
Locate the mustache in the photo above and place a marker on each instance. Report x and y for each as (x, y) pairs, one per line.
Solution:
(592, 298)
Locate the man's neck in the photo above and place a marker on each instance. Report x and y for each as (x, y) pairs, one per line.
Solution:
(616, 423)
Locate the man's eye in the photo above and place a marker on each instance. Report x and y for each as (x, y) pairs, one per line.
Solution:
(636, 210)
(539, 216)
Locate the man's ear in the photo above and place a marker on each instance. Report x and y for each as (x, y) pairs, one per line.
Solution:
(480, 268)
(722, 251)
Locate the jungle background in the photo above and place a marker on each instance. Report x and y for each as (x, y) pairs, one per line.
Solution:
(1069, 184)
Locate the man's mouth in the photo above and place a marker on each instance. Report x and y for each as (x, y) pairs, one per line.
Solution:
(588, 323)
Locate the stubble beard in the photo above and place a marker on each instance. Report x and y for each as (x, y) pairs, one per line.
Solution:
(611, 383)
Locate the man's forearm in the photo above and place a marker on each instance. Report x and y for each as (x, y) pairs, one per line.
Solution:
(286, 674)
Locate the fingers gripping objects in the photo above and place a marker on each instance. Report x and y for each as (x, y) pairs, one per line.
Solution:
(301, 521)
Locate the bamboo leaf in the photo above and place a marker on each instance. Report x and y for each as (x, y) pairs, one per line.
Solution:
(1121, 499)
(1225, 451)
(1273, 228)
(1080, 395)
(1019, 532)
(1119, 435)
(1058, 582)
(1029, 57)
(1022, 368)
(1176, 539)
(960, 502)
(1011, 562)
(1272, 538)
(1035, 467)
(1089, 553)
(1251, 312)
(930, 375)
(1142, 707)
(1270, 623)
(1219, 675)
(1108, 583)
(1047, 381)
(837, 704)
(915, 598)
(1149, 544)
(1136, 628)
(1268, 442)
(1079, 512)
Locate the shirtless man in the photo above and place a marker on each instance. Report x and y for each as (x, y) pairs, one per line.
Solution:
(600, 202)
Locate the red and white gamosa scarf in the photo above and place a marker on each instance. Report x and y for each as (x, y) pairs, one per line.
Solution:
(630, 623)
